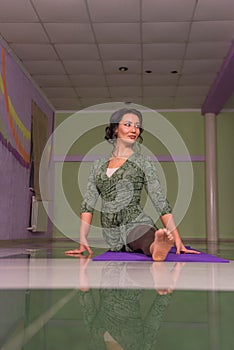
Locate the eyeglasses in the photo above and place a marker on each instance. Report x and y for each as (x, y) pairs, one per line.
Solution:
(130, 124)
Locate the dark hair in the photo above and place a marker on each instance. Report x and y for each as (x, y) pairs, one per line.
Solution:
(115, 118)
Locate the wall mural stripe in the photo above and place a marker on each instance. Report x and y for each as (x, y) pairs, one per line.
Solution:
(25, 155)
(23, 129)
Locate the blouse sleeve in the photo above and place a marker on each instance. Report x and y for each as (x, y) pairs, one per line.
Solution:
(154, 189)
(91, 194)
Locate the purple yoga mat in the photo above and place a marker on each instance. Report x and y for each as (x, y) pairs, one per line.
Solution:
(172, 256)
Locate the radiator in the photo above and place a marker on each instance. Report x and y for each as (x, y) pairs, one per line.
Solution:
(39, 218)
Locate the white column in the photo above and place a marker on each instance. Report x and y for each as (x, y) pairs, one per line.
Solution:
(211, 183)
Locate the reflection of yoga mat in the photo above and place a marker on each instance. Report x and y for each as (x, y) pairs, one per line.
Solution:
(172, 256)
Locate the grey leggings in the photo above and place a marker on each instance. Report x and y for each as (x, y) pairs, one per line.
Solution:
(141, 238)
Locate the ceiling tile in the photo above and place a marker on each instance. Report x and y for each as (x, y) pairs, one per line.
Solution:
(162, 67)
(66, 103)
(123, 80)
(83, 67)
(230, 102)
(192, 90)
(158, 103)
(165, 32)
(120, 51)
(67, 54)
(60, 11)
(163, 51)
(166, 10)
(197, 79)
(189, 101)
(93, 92)
(117, 33)
(201, 66)
(77, 51)
(34, 51)
(149, 91)
(87, 80)
(70, 33)
(114, 11)
(128, 100)
(213, 50)
(212, 31)
(25, 33)
(125, 91)
(207, 10)
(112, 67)
(17, 11)
(93, 101)
(160, 80)
(63, 92)
(44, 67)
(52, 80)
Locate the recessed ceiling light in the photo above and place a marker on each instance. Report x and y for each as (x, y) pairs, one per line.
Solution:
(174, 71)
(148, 71)
(123, 69)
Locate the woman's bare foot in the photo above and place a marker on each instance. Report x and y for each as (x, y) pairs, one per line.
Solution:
(165, 278)
(162, 244)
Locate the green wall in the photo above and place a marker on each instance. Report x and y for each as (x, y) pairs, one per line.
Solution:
(190, 126)
(225, 174)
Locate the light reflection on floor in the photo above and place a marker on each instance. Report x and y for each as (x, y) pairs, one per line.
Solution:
(49, 301)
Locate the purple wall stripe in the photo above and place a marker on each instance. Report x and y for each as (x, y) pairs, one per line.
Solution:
(222, 87)
(160, 158)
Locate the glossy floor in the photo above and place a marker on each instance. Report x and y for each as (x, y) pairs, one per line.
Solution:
(50, 301)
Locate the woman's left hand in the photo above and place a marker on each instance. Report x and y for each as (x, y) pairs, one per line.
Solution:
(180, 248)
(169, 223)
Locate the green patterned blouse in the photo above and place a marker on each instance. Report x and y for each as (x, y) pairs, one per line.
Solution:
(121, 196)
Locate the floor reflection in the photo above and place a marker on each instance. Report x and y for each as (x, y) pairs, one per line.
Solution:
(116, 321)
(56, 303)
(116, 318)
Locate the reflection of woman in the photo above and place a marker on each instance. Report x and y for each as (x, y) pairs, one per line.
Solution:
(119, 180)
(118, 317)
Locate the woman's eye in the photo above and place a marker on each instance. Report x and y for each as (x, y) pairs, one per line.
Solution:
(137, 126)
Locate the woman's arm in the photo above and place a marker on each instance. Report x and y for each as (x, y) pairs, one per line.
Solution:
(87, 208)
(169, 223)
(158, 198)
(85, 222)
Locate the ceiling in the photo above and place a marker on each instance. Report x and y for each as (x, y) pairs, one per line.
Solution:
(73, 49)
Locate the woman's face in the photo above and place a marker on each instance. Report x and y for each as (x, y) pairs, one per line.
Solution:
(128, 129)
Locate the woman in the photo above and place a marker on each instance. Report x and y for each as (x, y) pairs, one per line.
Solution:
(119, 179)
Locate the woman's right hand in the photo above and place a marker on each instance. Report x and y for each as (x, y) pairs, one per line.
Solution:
(86, 219)
(84, 246)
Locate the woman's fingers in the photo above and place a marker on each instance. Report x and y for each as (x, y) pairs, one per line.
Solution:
(190, 251)
(168, 233)
(186, 251)
(79, 251)
(89, 250)
(74, 251)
